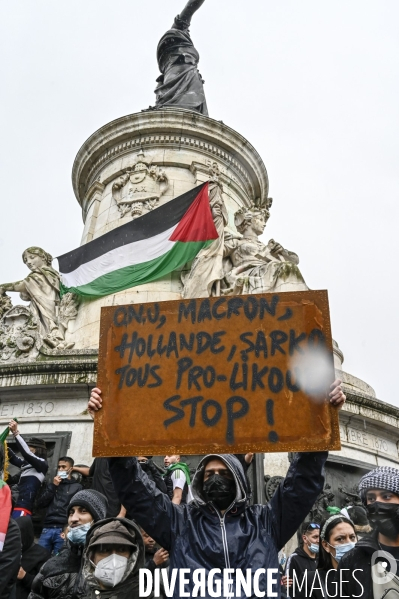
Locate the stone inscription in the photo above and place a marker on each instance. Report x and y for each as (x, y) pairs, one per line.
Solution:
(213, 375)
(367, 440)
(21, 409)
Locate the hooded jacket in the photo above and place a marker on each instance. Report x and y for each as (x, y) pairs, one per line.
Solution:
(300, 562)
(359, 584)
(198, 536)
(32, 559)
(128, 588)
(59, 578)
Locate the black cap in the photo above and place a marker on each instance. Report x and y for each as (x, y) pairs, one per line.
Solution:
(35, 442)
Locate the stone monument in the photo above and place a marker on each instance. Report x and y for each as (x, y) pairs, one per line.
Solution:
(129, 167)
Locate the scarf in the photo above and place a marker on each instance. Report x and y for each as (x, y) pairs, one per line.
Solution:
(179, 466)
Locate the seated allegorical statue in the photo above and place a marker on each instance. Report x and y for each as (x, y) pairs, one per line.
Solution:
(42, 289)
(206, 272)
(180, 84)
(253, 267)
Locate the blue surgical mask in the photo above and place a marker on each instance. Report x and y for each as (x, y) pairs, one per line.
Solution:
(62, 473)
(340, 550)
(77, 535)
(314, 548)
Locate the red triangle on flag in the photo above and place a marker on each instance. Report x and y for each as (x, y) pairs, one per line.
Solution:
(197, 223)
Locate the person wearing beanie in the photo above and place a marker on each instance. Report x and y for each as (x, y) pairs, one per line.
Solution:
(60, 577)
(113, 556)
(376, 556)
(33, 465)
(102, 482)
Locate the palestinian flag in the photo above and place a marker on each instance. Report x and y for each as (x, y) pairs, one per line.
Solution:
(143, 250)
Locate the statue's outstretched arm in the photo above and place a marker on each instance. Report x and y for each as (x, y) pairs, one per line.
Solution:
(191, 7)
(18, 286)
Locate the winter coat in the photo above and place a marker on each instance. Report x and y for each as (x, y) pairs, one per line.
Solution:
(154, 474)
(57, 499)
(60, 578)
(33, 557)
(128, 588)
(102, 483)
(359, 558)
(10, 559)
(33, 472)
(300, 562)
(198, 536)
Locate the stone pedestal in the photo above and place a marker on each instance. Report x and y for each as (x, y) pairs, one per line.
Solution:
(175, 145)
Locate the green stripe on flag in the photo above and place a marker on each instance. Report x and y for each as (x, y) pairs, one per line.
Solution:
(139, 274)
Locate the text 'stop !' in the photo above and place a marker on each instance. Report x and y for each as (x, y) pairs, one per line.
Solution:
(217, 375)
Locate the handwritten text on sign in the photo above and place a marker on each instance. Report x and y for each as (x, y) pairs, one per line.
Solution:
(215, 375)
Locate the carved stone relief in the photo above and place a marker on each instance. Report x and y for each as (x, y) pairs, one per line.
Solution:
(18, 334)
(5, 304)
(139, 188)
(271, 485)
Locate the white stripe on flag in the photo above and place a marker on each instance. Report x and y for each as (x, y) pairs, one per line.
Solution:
(125, 255)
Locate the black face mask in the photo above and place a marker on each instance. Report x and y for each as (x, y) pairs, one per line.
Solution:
(385, 518)
(220, 490)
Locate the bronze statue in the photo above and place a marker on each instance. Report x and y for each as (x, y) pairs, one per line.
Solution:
(180, 84)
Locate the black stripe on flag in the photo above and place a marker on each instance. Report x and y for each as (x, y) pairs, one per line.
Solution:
(144, 227)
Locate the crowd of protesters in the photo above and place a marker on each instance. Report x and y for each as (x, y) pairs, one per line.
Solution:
(136, 515)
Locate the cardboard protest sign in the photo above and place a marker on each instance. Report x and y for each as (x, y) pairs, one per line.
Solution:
(216, 375)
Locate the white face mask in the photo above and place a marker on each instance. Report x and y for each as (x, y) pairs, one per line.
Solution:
(110, 570)
(62, 473)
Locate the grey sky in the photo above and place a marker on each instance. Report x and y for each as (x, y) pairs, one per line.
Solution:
(312, 84)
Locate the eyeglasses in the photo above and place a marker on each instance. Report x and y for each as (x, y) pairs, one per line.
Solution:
(312, 526)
